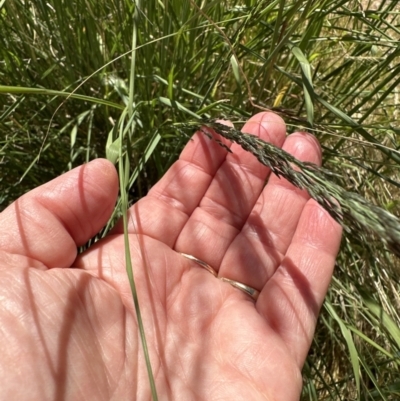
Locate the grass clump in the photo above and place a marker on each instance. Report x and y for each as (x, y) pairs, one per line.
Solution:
(74, 87)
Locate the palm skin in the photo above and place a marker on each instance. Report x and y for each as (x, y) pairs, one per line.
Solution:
(68, 325)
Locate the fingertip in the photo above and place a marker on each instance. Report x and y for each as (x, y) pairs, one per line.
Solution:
(107, 169)
(304, 146)
(268, 116)
(102, 174)
(93, 200)
(268, 126)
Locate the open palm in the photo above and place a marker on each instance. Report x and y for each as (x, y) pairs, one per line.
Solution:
(68, 325)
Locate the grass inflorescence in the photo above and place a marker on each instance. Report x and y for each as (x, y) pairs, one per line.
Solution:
(349, 209)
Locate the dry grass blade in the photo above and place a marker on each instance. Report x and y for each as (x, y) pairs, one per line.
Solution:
(349, 209)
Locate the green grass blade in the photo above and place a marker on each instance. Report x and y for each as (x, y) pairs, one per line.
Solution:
(353, 354)
(383, 318)
(174, 104)
(17, 90)
(307, 82)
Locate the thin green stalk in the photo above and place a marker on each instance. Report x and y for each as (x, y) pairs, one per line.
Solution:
(123, 168)
(133, 57)
(124, 181)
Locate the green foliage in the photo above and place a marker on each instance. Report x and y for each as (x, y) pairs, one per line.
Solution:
(73, 90)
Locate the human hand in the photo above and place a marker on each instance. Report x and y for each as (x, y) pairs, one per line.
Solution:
(68, 325)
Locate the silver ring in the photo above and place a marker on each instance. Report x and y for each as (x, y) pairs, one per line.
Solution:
(252, 292)
(200, 263)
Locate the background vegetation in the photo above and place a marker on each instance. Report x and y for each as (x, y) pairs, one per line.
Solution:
(71, 89)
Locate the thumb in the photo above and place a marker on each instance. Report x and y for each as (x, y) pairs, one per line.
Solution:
(48, 223)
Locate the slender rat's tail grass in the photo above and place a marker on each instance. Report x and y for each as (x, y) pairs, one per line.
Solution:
(349, 209)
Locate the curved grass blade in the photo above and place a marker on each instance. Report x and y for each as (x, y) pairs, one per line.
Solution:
(19, 90)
